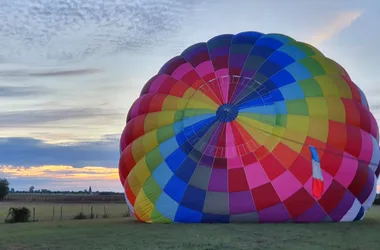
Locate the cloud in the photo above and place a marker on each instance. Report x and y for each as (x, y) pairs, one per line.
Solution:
(73, 30)
(339, 23)
(67, 72)
(28, 118)
(61, 177)
(21, 91)
(62, 172)
(17, 73)
(30, 152)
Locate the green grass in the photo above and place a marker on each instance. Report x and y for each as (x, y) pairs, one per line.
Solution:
(126, 233)
(44, 211)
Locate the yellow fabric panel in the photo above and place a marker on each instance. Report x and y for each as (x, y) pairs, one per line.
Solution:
(133, 182)
(165, 118)
(158, 120)
(173, 103)
(341, 84)
(143, 207)
(255, 123)
(327, 85)
(296, 136)
(298, 123)
(203, 98)
(189, 93)
(336, 110)
(196, 104)
(138, 149)
(150, 141)
(272, 142)
(259, 136)
(317, 106)
(278, 131)
(142, 171)
(329, 65)
(318, 129)
(197, 112)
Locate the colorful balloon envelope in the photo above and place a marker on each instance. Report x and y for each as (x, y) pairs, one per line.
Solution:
(250, 127)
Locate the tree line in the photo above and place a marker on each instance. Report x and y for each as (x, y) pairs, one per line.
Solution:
(5, 190)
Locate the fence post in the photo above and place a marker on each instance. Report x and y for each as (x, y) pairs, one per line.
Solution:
(82, 209)
(34, 214)
(105, 212)
(92, 212)
(61, 213)
(53, 213)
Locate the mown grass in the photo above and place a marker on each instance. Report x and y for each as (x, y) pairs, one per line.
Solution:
(126, 233)
(44, 211)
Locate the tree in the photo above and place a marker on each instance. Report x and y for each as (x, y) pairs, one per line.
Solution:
(90, 190)
(4, 188)
(31, 189)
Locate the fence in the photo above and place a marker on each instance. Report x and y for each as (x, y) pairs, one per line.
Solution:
(53, 212)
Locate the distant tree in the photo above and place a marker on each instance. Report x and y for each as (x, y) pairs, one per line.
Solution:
(4, 188)
(31, 189)
(12, 190)
(90, 190)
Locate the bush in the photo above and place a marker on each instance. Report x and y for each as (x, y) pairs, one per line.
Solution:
(4, 188)
(80, 216)
(16, 215)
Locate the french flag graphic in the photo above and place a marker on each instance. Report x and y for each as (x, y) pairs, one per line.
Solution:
(317, 184)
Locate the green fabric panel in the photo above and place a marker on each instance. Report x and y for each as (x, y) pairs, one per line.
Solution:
(281, 120)
(158, 217)
(267, 119)
(311, 88)
(305, 48)
(153, 159)
(313, 66)
(297, 107)
(178, 115)
(165, 133)
(152, 190)
(196, 112)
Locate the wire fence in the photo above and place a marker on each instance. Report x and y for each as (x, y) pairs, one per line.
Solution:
(55, 212)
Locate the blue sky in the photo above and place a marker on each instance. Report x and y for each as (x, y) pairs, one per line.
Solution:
(69, 70)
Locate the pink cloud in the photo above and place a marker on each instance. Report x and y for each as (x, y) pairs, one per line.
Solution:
(60, 177)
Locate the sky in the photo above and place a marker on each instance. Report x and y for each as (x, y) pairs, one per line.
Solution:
(70, 70)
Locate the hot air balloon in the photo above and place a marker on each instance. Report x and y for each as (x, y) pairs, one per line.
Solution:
(250, 127)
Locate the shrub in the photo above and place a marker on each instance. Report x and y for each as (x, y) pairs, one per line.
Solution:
(4, 188)
(16, 215)
(80, 216)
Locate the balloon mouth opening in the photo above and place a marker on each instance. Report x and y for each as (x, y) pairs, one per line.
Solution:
(227, 113)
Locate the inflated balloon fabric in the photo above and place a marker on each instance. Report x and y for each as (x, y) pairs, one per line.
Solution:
(250, 127)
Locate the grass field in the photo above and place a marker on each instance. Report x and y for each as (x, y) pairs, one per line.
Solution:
(44, 211)
(126, 233)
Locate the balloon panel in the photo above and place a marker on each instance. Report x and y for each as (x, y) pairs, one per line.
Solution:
(250, 127)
